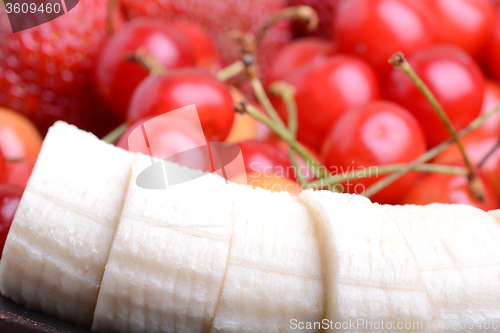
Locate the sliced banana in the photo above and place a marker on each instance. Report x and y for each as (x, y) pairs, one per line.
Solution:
(58, 245)
(371, 278)
(168, 258)
(457, 250)
(273, 274)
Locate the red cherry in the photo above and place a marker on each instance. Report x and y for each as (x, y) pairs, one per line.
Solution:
(448, 189)
(10, 197)
(465, 23)
(297, 53)
(492, 49)
(375, 134)
(203, 46)
(116, 78)
(455, 80)
(491, 100)
(2, 163)
(17, 173)
(324, 92)
(375, 29)
(477, 145)
(265, 157)
(175, 89)
(168, 139)
(303, 167)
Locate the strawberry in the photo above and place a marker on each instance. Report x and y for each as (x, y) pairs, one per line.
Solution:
(219, 18)
(325, 10)
(45, 71)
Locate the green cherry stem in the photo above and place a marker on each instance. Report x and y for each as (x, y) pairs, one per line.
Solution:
(287, 93)
(115, 134)
(375, 171)
(399, 61)
(263, 99)
(230, 71)
(430, 154)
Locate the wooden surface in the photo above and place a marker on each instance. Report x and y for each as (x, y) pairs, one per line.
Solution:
(15, 319)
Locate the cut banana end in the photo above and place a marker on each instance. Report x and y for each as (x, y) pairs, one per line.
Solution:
(58, 245)
(370, 275)
(168, 258)
(495, 214)
(274, 273)
(457, 250)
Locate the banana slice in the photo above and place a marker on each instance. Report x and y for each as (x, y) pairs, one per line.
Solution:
(273, 274)
(168, 258)
(58, 245)
(457, 250)
(371, 278)
(495, 214)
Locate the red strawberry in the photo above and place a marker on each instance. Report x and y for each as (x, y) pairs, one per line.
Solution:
(324, 9)
(45, 71)
(219, 18)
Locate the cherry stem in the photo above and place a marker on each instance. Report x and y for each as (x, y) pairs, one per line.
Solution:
(318, 170)
(147, 62)
(116, 134)
(230, 71)
(430, 154)
(399, 61)
(303, 14)
(263, 99)
(110, 16)
(287, 92)
(488, 155)
(375, 171)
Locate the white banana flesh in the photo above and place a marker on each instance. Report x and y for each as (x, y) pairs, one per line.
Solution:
(274, 271)
(457, 250)
(89, 246)
(163, 275)
(54, 257)
(370, 274)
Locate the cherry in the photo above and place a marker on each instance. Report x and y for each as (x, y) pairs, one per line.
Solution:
(178, 88)
(17, 173)
(375, 29)
(491, 100)
(203, 46)
(372, 135)
(477, 145)
(448, 189)
(116, 78)
(263, 156)
(455, 80)
(168, 139)
(465, 23)
(311, 50)
(303, 167)
(2, 163)
(19, 138)
(324, 92)
(10, 197)
(492, 50)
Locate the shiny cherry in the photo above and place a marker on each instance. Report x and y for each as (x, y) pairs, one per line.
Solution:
(455, 80)
(325, 91)
(205, 52)
(116, 78)
(10, 197)
(375, 29)
(465, 23)
(492, 50)
(168, 139)
(448, 189)
(309, 50)
(178, 88)
(372, 135)
(267, 157)
(491, 100)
